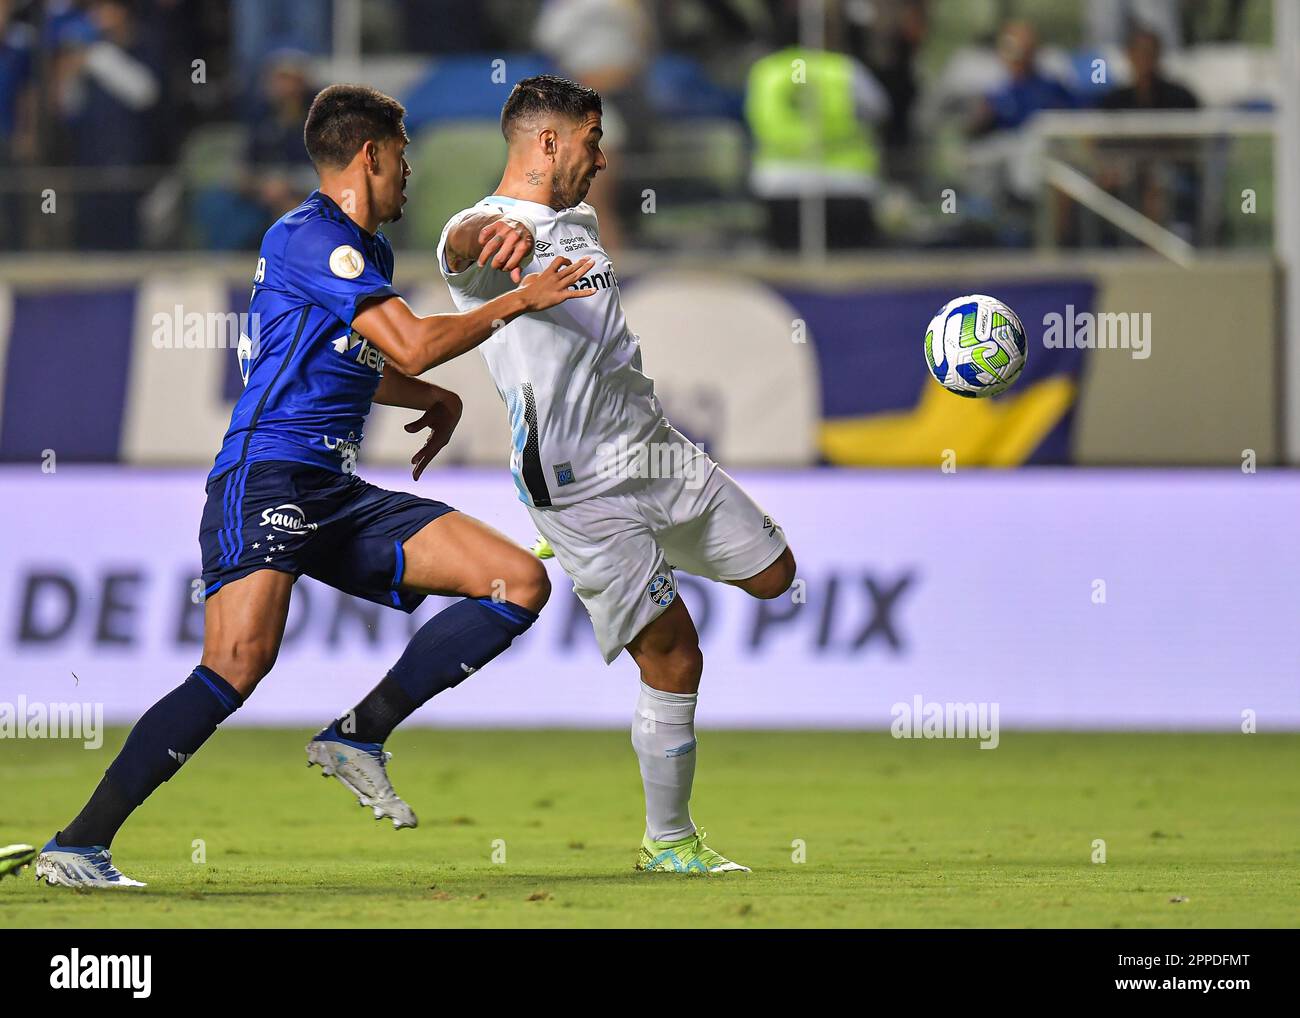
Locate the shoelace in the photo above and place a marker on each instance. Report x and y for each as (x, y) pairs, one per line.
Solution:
(703, 853)
(383, 786)
(377, 754)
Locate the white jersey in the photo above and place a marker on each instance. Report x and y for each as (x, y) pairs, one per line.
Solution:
(580, 406)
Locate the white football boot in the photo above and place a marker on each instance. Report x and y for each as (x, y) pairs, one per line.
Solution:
(359, 766)
(66, 866)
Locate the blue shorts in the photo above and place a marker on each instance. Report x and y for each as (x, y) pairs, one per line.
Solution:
(301, 519)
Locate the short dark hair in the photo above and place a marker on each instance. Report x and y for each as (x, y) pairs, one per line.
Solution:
(1138, 31)
(547, 93)
(343, 117)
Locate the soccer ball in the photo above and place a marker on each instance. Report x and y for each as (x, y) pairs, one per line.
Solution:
(975, 346)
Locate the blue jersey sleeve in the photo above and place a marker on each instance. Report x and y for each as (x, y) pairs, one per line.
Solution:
(322, 261)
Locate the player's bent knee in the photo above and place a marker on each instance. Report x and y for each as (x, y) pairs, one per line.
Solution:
(242, 663)
(773, 581)
(527, 584)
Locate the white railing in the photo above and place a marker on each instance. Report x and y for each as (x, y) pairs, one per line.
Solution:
(1046, 130)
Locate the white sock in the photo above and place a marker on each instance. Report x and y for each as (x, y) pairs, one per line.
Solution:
(663, 735)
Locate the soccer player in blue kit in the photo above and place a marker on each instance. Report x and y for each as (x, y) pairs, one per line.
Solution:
(282, 500)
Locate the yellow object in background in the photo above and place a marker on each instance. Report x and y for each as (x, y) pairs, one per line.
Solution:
(990, 433)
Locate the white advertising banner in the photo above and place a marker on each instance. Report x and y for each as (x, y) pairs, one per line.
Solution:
(1058, 598)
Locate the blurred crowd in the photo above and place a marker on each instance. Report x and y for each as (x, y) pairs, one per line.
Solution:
(163, 124)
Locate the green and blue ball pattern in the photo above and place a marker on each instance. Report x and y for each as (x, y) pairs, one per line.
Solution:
(975, 346)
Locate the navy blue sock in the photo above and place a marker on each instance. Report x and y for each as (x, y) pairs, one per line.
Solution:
(447, 649)
(168, 734)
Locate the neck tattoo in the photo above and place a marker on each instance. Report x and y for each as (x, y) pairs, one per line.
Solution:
(535, 177)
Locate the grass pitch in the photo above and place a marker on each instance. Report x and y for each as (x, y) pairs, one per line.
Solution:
(540, 829)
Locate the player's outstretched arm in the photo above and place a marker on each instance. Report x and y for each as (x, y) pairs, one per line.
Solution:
(442, 409)
(399, 390)
(490, 238)
(413, 344)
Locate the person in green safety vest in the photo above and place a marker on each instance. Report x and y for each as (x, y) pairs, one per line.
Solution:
(811, 113)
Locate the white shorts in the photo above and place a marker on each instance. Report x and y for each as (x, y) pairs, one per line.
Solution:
(620, 547)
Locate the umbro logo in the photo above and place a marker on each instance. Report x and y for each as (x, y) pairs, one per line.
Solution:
(542, 247)
(179, 757)
(769, 526)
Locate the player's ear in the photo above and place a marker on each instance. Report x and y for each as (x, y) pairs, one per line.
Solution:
(548, 139)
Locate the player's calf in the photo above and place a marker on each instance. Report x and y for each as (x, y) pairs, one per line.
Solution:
(243, 624)
(667, 651)
(443, 653)
(506, 588)
(167, 735)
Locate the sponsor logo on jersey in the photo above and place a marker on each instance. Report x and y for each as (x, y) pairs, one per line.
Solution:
(570, 244)
(769, 526)
(346, 262)
(367, 356)
(662, 590)
(563, 473)
(287, 518)
(543, 248)
(597, 280)
(348, 448)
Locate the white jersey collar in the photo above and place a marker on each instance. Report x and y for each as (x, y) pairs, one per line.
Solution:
(530, 208)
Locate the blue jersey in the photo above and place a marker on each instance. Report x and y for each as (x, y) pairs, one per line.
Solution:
(308, 377)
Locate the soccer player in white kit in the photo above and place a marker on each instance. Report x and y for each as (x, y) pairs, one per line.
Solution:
(621, 496)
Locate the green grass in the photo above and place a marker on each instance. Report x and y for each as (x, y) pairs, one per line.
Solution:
(897, 833)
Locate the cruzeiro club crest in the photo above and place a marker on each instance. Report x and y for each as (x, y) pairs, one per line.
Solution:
(244, 351)
(662, 591)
